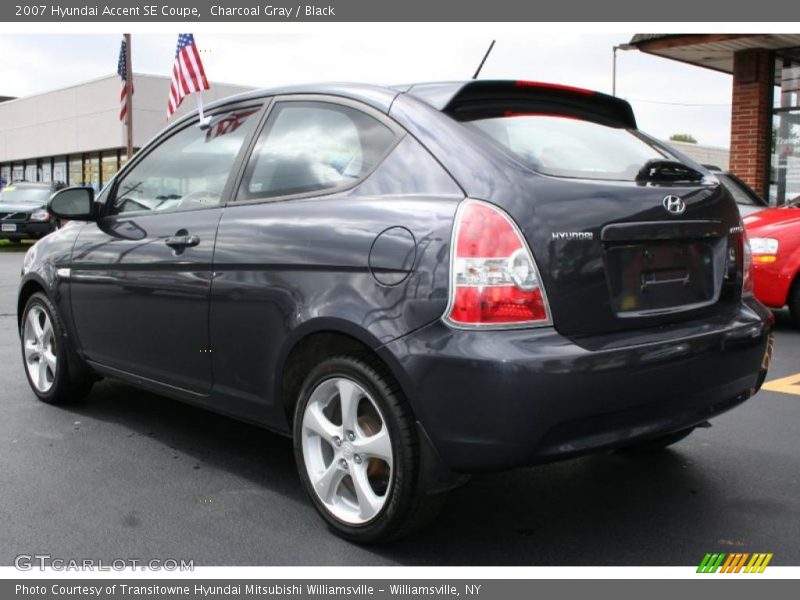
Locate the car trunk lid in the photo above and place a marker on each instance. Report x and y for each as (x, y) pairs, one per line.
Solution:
(612, 258)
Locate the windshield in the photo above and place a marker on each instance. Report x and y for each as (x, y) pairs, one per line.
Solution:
(569, 147)
(26, 195)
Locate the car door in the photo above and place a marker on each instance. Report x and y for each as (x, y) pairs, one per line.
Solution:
(141, 275)
(288, 239)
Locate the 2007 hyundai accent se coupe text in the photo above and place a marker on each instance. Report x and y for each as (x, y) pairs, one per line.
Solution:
(415, 283)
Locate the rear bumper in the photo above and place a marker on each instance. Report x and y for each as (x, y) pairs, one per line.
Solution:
(495, 400)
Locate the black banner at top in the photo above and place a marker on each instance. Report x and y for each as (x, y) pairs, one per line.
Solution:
(742, 11)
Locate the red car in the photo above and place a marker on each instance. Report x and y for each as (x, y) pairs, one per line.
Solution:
(775, 244)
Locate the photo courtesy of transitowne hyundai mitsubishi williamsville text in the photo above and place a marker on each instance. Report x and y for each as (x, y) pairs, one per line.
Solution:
(210, 591)
(414, 283)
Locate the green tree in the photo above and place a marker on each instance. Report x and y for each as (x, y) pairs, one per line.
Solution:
(683, 137)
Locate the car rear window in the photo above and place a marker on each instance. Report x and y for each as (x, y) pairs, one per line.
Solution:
(569, 147)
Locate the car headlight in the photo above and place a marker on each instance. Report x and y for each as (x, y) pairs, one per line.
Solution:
(764, 249)
(40, 216)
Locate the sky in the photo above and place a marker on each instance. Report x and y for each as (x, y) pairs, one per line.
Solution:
(668, 97)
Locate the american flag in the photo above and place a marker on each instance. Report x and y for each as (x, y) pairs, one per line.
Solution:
(188, 75)
(122, 70)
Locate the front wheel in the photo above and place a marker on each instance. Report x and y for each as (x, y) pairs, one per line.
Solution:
(47, 356)
(357, 451)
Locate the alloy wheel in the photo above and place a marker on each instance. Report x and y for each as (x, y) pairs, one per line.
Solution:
(347, 450)
(39, 344)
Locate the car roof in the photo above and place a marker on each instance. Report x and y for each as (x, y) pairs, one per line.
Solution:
(440, 95)
(379, 97)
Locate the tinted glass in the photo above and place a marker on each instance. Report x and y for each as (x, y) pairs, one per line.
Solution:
(27, 195)
(313, 146)
(188, 170)
(569, 147)
(739, 193)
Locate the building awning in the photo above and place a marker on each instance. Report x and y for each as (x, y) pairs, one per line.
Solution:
(714, 50)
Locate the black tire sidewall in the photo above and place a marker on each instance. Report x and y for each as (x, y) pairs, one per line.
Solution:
(54, 394)
(405, 468)
(794, 301)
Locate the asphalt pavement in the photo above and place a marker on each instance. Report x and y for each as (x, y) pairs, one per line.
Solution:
(128, 474)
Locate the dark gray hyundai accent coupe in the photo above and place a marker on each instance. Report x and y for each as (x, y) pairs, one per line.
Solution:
(415, 283)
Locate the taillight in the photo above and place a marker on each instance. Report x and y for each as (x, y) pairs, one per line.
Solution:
(747, 267)
(495, 281)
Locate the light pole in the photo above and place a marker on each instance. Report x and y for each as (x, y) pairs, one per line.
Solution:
(614, 65)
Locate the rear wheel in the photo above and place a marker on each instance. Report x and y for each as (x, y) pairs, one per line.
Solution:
(357, 452)
(47, 356)
(794, 301)
(656, 444)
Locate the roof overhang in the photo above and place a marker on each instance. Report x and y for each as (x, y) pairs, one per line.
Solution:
(712, 50)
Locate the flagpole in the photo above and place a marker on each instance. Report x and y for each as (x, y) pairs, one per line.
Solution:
(129, 95)
(200, 105)
(204, 121)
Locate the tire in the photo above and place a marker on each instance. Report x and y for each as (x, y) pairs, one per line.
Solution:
(347, 464)
(657, 444)
(55, 372)
(794, 302)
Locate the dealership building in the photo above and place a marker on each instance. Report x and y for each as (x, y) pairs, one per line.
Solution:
(74, 136)
(765, 100)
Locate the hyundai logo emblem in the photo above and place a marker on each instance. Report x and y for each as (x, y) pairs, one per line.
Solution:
(674, 205)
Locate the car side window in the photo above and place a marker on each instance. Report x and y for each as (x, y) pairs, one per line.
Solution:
(188, 170)
(313, 146)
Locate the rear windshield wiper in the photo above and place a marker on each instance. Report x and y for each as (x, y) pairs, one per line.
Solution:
(663, 170)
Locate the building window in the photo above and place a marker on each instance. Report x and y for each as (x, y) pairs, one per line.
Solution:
(5, 175)
(109, 165)
(75, 170)
(31, 172)
(46, 170)
(91, 171)
(60, 171)
(785, 159)
(18, 173)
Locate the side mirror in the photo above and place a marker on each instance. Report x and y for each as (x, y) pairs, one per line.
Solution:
(73, 204)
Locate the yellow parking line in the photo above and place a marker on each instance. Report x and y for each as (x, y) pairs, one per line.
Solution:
(785, 385)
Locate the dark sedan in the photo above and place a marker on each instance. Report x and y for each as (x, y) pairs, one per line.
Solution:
(23, 211)
(415, 283)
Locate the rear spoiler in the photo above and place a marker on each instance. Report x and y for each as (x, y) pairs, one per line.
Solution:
(482, 99)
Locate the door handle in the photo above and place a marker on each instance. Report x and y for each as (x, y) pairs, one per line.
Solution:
(182, 241)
